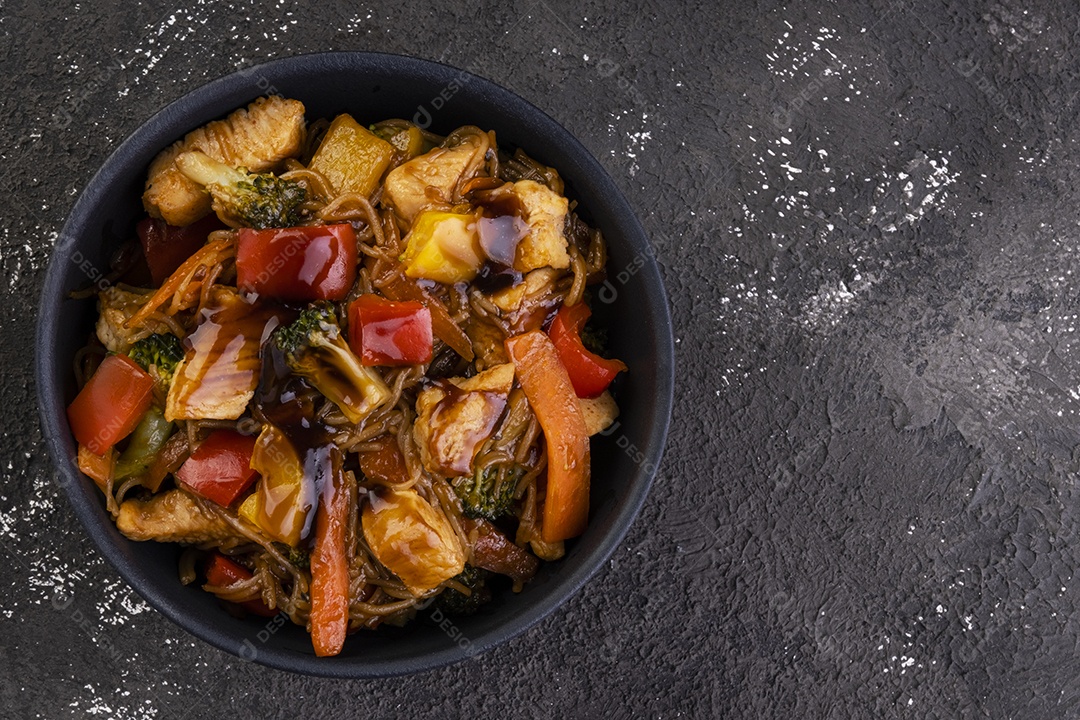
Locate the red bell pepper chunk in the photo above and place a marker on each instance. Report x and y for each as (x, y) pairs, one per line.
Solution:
(388, 332)
(223, 572)
(110, 405)
(220, 469)
(442, 324)
(166, 247)
(589, 373)
(300, 263)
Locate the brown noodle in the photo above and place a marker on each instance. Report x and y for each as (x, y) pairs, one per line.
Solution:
(514, 453)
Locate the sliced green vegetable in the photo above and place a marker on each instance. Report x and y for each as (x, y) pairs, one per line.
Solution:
(145, 445)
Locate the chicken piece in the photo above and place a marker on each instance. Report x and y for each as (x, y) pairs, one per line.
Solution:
(219, 373)
(454, 419)
(172, 516)
(498, 379)
(526, 305)
(522, 307)
(534, 285)
(599, 412)
(256, 138)
(545, 212)
(412, 539)
(487, 342)
(116, 307)
(428, 179)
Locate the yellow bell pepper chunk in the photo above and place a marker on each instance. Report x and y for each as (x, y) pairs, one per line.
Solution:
(249, 508)
(351, 157)
(444, 247)
(282, 503)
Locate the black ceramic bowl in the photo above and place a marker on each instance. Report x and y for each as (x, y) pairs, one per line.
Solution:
(372, 87)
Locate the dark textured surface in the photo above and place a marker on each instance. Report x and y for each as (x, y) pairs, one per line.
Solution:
(867, 221)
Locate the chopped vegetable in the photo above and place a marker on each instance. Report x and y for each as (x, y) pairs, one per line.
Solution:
(551, 396)
(158, 354)
(111, 403)
(351, 157)
(221, 572)
(284, 498)
(166, 247)
(115, 307)
(330, 564)
(300, 263)
(442, 325)
(168, 461)
(483, 496)
(388, 332)
(500, 237)
(590, 373)
(184, 278)
(300, 558)
(244, 199)
(412, 539)
(315, 350)
(145, 444)
(444, 247)
(220, 468)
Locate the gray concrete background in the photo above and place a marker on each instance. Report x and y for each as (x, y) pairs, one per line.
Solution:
(866, 216)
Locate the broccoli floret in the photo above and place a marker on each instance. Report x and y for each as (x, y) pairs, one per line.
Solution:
(255, 200)
(455, 602)
(298, 557)
(315, 350)
(158, 354)
(483, 496)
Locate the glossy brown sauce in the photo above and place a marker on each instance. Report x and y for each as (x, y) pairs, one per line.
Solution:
(471, 417)
(222, 353)
(289, 403)
(502, 223)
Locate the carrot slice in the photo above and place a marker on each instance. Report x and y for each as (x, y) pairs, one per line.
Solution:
(329, 564)
(551, 395)
(206, 255)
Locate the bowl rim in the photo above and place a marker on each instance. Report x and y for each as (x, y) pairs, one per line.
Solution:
(87, 505)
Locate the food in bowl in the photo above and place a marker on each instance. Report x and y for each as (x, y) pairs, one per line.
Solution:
(349, 367)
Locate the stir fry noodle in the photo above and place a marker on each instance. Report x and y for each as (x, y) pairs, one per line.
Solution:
(349, 368)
